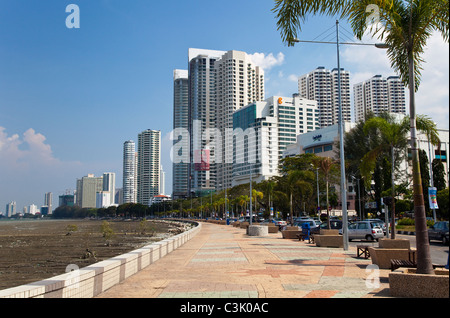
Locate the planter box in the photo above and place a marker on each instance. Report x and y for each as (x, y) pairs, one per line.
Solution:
(290, 234)
(404, 282)
(329, 232)
(272, 228)
(329, 240)
(396, 243)
(244, 225)
(382, 256)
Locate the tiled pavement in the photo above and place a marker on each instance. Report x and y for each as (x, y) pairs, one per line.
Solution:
(223, 262)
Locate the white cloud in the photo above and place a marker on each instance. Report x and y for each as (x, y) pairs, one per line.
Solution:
(293, 78)
(21, 153)
(28, 169)
(267, 61)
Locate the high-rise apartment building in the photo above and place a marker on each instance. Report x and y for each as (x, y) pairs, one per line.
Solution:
(239, 82)
(180, 168)
(87, 188)
(322, 85)
(48, 201)
(263, 130)
(149, 164)
(11, 209)
(109, 186)
(129, 186)
(202, 119)
(378, 95)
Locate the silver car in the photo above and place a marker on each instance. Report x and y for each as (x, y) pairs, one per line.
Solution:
(364, 230)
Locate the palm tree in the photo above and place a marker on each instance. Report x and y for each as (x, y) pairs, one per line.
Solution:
(407, 25)
(255, 196)
(393, 139)
(243, 199)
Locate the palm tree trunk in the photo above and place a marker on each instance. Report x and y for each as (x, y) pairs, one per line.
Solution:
(424, 264)
(328, 209)
(292, 213)
(393, 195)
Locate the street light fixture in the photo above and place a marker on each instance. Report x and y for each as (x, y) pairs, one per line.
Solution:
(341, 127)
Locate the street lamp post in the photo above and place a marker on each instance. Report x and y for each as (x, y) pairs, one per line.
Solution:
(341, 129)
(341, 141)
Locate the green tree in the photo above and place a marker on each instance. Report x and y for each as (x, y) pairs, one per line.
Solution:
(392, 144)
(438, 174)
(442, 199)
(407, 25)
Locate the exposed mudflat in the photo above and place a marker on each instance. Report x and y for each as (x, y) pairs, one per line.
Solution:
(33, 250)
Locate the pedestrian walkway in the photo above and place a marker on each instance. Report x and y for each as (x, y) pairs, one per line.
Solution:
(224, 262)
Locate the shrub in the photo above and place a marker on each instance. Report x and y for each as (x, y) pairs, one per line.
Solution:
(406, 221)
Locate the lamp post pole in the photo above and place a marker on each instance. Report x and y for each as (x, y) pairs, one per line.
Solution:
(341, 141)
(341, 129)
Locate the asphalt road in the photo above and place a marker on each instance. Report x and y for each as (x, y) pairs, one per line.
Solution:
(439, 252)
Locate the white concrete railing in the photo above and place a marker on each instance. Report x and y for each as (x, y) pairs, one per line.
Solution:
(94, 279)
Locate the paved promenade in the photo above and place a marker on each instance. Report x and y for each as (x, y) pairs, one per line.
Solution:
(223, 262)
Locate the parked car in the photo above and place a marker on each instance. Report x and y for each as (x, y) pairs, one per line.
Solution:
(380, 223)
(247, 219)
(365, 230)
(335, 224)
(439, 232)
(280, 222)
(311, 222)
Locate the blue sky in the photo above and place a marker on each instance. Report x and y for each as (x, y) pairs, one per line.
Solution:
(69, 98)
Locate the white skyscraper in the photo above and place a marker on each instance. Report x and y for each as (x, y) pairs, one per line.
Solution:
(275, 123)
(129, 186)
(162, 181)
(378, 95)
(239, 82)
(180, 168)
(11, 209)
(322, 86)
(202, 118)
(149, 165)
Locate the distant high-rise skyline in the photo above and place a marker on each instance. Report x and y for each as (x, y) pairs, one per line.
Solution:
(149, 165)
(129, 179)
(322, 86)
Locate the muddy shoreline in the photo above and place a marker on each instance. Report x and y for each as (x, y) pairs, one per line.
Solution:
(33, 250)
